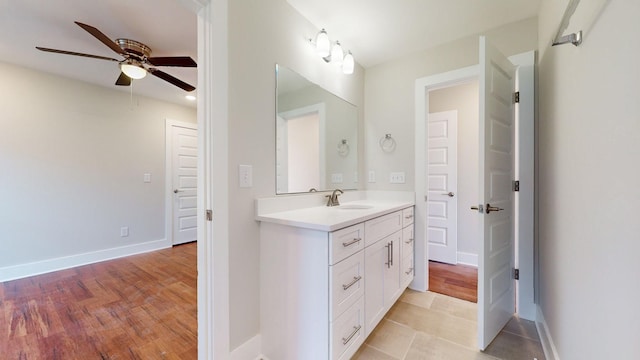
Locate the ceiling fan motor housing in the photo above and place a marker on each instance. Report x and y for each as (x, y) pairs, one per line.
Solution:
(134, 48)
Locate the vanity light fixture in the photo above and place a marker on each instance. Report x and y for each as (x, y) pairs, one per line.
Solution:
(334, 55)
(337, 55)
(323, 45)
(348, 64)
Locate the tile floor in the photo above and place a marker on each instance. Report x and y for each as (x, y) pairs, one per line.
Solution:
(434, 326)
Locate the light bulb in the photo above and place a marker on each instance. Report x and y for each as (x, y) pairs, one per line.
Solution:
(337, 54)
(348, 64)
(323, 45)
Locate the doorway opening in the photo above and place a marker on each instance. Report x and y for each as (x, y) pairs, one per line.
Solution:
(452, 185)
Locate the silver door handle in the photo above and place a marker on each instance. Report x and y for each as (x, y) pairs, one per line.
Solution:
(493, 208)
(450, 194)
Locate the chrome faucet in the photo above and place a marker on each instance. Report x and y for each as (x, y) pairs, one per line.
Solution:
(333, 198)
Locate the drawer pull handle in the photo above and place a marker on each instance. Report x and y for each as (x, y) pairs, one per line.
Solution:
(354, 241)
(348, 338)
(410, 271)
(409, 241)
(408, 217)
(355, 280)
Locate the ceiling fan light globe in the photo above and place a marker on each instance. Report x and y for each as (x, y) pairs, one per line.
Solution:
(133, 71)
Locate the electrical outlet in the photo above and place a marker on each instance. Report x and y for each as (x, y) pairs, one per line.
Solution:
(336, 178)
(124, 231)
(396, 178)
(147, 178)
(372, 176)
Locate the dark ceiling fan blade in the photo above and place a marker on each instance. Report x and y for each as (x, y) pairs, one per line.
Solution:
(75, 53)
(123, 80)
(166, 77)
(182, 61)
(102, 37)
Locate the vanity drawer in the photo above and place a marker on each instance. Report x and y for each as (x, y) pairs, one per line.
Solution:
(382, 226)
(407, 270)
(407, 216)
(347, 332)
(407, 240)
(345, 242)
(346, 284)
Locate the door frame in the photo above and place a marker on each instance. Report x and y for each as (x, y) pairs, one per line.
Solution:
(168, 175)
(524, 217)
(320, 109)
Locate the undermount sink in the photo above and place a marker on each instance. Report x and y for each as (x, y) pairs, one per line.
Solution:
(354, 207)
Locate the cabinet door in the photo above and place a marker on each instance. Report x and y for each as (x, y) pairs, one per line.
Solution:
(392, 290)
(376, 257)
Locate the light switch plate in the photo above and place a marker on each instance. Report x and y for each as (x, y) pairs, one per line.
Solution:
(245, 176)
(336, 178)
(147, 178)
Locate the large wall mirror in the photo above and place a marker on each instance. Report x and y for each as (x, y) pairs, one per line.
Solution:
(316, 137)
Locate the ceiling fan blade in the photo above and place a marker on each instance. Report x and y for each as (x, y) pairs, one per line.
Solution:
(182, 61)
(75, 53)
(123, 80)
(102, 37)
(166, 77)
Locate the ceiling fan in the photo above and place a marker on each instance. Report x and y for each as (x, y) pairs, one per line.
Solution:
(137, 60)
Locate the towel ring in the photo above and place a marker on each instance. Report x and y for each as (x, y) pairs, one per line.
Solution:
(387, 143)
(343, 148)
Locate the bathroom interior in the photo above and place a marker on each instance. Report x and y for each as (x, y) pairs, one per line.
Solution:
(105, 140)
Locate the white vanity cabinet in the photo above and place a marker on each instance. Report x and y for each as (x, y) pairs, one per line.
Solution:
(322, 292)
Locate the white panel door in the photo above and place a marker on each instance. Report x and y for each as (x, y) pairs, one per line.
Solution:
(496, 298)
(184, 167)
(442, 186)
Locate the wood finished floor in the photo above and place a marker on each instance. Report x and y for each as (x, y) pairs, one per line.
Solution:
(139, 307)
(458, 281)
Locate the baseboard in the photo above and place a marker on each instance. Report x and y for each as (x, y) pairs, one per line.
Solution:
(250, 350)
(45, 266)
(548, 346)
(467, 259)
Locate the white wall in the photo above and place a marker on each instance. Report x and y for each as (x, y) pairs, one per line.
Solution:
(464, 98)
(588, 176)
(72, 159)
(261, 34)
(389, 96)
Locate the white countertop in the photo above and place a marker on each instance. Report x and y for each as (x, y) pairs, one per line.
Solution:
(330, 218)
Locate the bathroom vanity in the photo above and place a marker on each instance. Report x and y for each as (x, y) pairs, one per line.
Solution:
(330, 274)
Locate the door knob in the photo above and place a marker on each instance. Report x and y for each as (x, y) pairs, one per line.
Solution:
(449, 194)
(493, 208)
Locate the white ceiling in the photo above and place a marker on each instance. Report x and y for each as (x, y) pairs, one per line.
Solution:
(374, 30)
(166, 26)
(377, 31)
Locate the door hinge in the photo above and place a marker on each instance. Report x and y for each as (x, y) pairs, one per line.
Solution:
(516, 97)
(209, 214)
(516, 185)
(516, 274)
